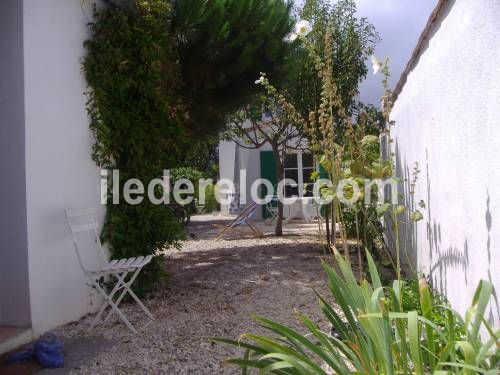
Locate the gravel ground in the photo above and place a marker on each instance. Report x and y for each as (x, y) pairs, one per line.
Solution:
(214, 289)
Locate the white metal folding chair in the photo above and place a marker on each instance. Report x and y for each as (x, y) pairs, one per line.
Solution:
(82, 222)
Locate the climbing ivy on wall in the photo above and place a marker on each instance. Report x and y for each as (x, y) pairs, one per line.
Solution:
(132, 70)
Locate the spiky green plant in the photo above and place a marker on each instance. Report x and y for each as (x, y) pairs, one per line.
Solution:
(375, 336)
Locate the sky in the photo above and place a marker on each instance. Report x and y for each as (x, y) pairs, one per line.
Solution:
(399, 24)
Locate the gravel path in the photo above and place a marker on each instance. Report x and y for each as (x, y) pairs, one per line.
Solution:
(215, 287)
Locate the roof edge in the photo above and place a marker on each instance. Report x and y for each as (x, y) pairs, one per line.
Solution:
(417, 51)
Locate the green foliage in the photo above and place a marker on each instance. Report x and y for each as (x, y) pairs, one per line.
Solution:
(376, 335)
(160, 73)
(133, 99)
(136, 117)
(353, 39)
(140, 230)
(211, 203)
(194, 176)
(320, 90)
(203, 155)
(362, 162)
(411, 301)
(223, 46)
(372, 119)
(187, 173)
(410, 296)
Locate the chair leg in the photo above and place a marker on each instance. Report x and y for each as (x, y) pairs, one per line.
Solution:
(141, 305)
(115, 289)
(120, 297)
(109, 301)
(221, 233)
(133, 295)
(255, 230)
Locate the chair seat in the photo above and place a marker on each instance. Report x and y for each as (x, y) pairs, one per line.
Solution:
(125, 264)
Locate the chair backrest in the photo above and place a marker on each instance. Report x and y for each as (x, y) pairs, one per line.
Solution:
(246, 214)
(84, 231)
(272, 202)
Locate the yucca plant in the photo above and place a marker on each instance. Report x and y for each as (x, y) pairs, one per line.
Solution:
(375, 336)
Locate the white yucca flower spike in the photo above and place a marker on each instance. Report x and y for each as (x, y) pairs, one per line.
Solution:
(376, 65)
(302, 28)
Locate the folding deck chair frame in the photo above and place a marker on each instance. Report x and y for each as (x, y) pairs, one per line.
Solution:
(242, 218)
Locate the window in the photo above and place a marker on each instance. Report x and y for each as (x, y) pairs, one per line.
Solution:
(299, 167)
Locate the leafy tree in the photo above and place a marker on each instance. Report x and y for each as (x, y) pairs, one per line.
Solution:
(352, 41)
(267, 120)
(310, 87)
(223, 46)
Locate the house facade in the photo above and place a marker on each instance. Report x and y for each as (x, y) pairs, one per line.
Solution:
(246, 166)
(447, 122)
(45, 163)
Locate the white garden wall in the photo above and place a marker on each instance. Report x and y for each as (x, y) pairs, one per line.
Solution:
(59, 169)
(448, 121)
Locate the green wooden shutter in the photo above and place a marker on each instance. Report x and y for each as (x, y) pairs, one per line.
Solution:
(268, 172)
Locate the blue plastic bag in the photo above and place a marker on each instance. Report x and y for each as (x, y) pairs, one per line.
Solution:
(22, 356)
(48, 351)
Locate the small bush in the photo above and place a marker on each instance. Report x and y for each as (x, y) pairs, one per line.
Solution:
(211, 203)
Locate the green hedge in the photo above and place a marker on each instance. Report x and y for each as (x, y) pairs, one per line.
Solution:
(132, 70)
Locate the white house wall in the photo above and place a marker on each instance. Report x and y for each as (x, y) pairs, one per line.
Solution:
(226, 165)
(59, 169)
(447, 120)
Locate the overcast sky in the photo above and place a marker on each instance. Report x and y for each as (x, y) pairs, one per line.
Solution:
(399, 23)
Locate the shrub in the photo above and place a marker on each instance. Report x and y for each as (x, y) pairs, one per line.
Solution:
(194, 176)
(211, 203)
(203, 156)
